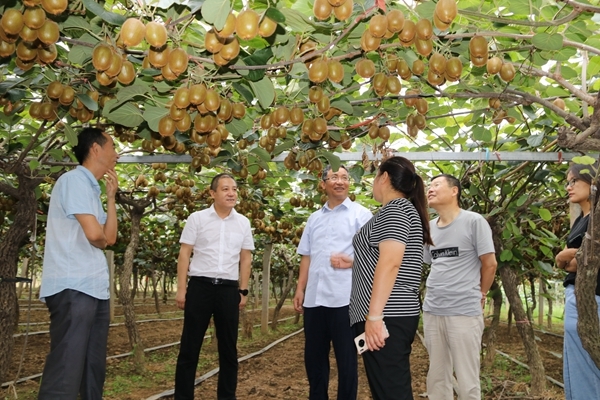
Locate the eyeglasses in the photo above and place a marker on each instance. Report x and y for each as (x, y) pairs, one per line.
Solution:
(571, 183)
(335, 178)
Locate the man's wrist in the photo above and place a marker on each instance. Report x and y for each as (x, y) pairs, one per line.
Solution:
(243, 292)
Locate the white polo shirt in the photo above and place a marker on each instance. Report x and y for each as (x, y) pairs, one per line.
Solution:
(217, 243)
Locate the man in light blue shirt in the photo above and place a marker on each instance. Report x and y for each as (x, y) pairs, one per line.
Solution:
(75, 283)
(323, 291)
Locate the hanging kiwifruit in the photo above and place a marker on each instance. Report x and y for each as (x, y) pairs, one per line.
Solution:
(368, 42)
(408, 33)
(365, 68)
(54, 7)
(434, 78)
(379, 83)
(159, 57)
(246, 24)
(67, 96)
(421, 106)
(156, 34)
(378, 25)
(454, 68)
(104, 79)
(181, 98)
(225, 110)
(166, 126)
(391, 63)
(424, 29)
(424, 47)
(167, 73)
(322, 9)
(116, 62)
(197, 94)
(176, 113)
(265, 121)
(212, 101)
(344, 11)
(493, 65)
(296, 116)
(54, 90)
(28, 34)
(132, 32)
(12, 21)
(218, 60)
(318, 70)
(213, 42)
(495, 103)
(127, 74)
(314, 94)
(403, 69)
(49, 32)
(418, 67)
(26, 51)
(439, 24)
(231, 49)
(395, 20)
(101, 56)
(507, 72)
(478, 47)
(178, 60)
(437, 63)
(324, 104)
(266, 27)
(383, 132)
(34, 17)
(446, 11)
(393, 84)
(239, 110)
(319, 125)
(335, 71)
(420, 121)
(229, 27)
(281, 115)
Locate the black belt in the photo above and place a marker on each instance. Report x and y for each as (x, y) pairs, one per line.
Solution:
(216, 281)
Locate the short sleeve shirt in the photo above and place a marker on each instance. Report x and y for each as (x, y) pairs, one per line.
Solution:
(454, 283)
(399, 221)
(217, 243)
(330, 231)
(70, 260)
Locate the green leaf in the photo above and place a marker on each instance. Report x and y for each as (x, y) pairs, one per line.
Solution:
(215, 12)
(259, 57)
(506, 255)
(545, 214)
(80, 54)
(521, 200)
(482, 134)
(96, 9)
(130, 92)
(264, 91)
(33, 165)
(87, 101)
(262, 153)
(547, 41)
(586, 160)
(331, 158)
(71, 135)
(275, 15)
(344, 105)
(126, 115)
(244, 91)
(153, 114)
(535, 140)
(297, 21)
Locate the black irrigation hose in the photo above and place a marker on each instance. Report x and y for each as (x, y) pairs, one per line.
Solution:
(147, 350)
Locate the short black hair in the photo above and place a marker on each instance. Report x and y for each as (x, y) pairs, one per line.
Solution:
(85, 140)
(328, 168)
(452, 182)
(214, 184)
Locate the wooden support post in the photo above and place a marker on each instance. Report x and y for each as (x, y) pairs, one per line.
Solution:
(541, 298)
(110, 259)
(266, 276)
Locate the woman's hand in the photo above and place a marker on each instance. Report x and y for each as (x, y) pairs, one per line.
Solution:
(341, 260)
(375, 334)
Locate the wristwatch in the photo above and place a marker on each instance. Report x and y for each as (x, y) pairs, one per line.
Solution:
(243, 292)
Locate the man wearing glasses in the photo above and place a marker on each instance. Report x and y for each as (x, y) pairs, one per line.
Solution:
(323, 290)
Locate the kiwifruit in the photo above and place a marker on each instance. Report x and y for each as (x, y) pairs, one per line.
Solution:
(28, 34)
(335, 71)
(181, 98)
(101, 56)
(246, 24)
(178, 60)
(231, 49)
(454, 67)
(26, 51)
(49, 32)
(408, 33)
(560, 103)
(323, 105)
(34, 17)
(507, 72)
(239, 110)
(446, 11)
(159, 57)
(437, 63)
(267, 27)
(67, 96)
(344, 11)
(434, 78)
(156, 34)
(318, 70)
(12, 21)
(365, 68)
(478, 47)
(176, 113)
(424, 47)
(322, 9)
(403, 69)
(116, 62)
(132, 32)
(493, 65)
(197, 94)
(212, 100)
(393, 84)
(378, 25)
(424, 29)
(281, 115)
(383, 132)
(395, 20)
(127, 74)
(213, 42)
(166, 126)
(185, 123)
(368, 42)
(229, 27)
(225, 110)
(54, 7)
(296, 116)
(54, 89)
(314, 94)
(167, 73)
(418, 67)
(421, 106)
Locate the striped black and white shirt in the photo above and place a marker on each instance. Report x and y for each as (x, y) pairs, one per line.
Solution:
(398, 220)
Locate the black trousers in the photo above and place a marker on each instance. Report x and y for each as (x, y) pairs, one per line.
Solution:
(323, 326)
(388, 369)
(78, 340)
(204, 300)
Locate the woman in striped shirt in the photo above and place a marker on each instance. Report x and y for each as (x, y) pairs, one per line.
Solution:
(386, 277)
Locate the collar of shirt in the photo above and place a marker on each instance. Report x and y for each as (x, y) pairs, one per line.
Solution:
(88, 174)
(213, 212)
(344, 204)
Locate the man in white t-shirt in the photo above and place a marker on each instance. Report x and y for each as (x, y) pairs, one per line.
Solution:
(463, 265)
(221, 240)
(323, 290)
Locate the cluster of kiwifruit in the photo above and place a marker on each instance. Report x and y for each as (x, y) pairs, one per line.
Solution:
(7, 203)
(303, 159)
(341, 9)
(378, 132)
(248, 24)
(321, 69)
(112, 66)
(297, 201)
(495, 65)
(31, 34)
(64, 95)
(499, 113)
(9, 107)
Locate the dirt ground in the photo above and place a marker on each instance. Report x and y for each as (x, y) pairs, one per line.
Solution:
(276, 374)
